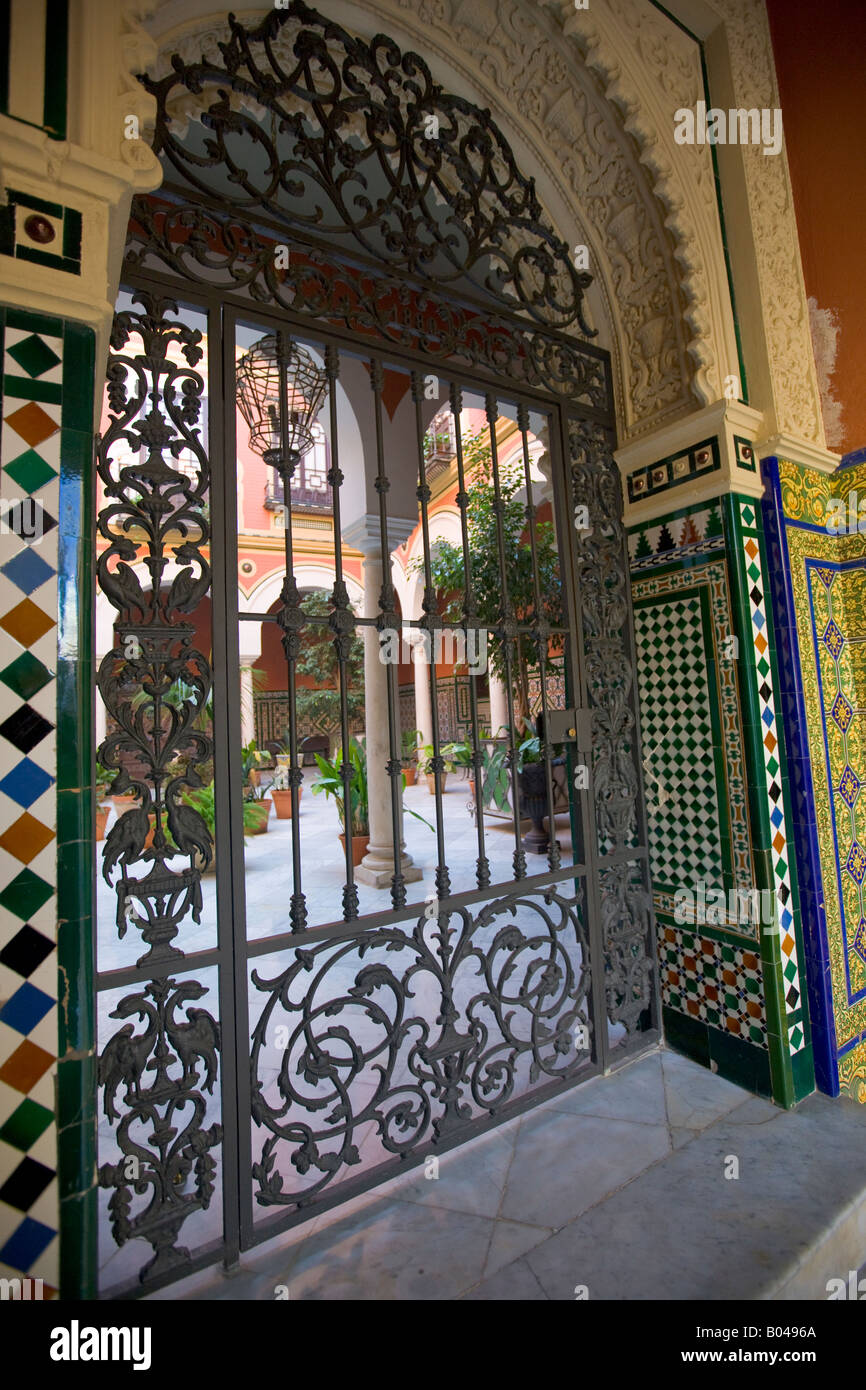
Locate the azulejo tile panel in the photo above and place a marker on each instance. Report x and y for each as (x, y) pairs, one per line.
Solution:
(30, 432)
(781, 842)
(693, 753)
(828, 585)
(715, 982)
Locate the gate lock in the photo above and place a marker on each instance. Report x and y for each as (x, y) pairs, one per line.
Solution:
(570, 726)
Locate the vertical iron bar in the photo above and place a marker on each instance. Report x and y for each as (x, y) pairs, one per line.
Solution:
(506, 628)
(342, 624)
(541, 637)
(291, 637)
(562, 507)
(388, 620)
(228, 776)
(470, 617)
(430, 624)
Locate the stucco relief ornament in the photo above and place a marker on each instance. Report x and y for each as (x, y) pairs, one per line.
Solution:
(581, 149)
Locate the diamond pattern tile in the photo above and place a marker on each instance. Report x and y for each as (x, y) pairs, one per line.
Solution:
(30, 471)
(26, 782)
(781, 839)
(26, 951)
(26, 622)
(25, 728)
(26, 675)
(26, 838)
(34, 355)
(30, 449)
(26, 1124)
(33, 424)
(27, 570)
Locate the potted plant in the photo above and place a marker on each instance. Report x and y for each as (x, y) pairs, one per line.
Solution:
(330, 783)
(201, 799)
(409, 751)
(281, 792)
(460, 755)
(425, 765)
(532, 784)
(254, 793)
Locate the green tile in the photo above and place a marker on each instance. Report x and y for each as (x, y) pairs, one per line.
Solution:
(33, 355)
(78, 370)
(23, 319)
(25, 894)
(25, 675)
(30, 471)
(26, 1124)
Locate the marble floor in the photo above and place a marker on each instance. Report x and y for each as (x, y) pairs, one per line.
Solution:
(621, 1189)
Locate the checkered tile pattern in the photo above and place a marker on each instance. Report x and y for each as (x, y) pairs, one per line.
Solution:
(29, 465)
(781, 844)
(682, 806)
(716, 983)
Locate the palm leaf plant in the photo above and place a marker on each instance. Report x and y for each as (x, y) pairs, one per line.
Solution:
(330, 783)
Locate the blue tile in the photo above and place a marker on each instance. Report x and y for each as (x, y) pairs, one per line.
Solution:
(26, 1244)
(27, 1007)
(26, 783)
(28, 570)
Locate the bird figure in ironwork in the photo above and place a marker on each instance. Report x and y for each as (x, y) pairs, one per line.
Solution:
(124, 1058)
(124, 843)
(189, 831)
(200, 1038)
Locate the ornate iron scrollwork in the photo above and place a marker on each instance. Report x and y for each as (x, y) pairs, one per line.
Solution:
(603, 589)
(154, 682)
(343, 139)
(173, 1151)
(218, 247)
(511, 1008)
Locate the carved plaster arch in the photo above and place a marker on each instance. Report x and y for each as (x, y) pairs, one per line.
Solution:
(588, 175)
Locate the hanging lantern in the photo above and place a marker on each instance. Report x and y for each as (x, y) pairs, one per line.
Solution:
(280, 393)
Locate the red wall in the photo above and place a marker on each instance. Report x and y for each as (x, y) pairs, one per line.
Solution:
(820, 53)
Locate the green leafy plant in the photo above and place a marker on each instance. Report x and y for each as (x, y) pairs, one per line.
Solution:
(319, 705)
(409, 741)
(425, 757)
(449, 577)
(495, 781)
(201, 799)
(330, 783)
(252, 758)
(457, 754)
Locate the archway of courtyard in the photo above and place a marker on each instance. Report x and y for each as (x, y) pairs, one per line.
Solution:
(504, 326)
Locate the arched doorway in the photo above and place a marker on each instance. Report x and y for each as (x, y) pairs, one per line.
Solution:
(331, 213)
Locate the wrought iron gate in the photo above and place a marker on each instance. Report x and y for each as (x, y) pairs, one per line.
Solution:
(331, 199)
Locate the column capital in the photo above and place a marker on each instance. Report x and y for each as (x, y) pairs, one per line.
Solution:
(365, 533)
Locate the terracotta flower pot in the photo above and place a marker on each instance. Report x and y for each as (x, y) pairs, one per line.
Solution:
(431, 781)
(472, 788)
(264, 810)
(102, 814)
(410, 773)
(359, 846)
(283, 803)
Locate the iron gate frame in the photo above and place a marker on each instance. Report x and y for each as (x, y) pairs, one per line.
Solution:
(233, 953)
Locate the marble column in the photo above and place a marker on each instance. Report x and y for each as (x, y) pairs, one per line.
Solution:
(498, 703)
(248, 709)
(377, 867)
(423, 707)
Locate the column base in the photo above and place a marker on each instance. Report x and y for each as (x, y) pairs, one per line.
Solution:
(376, 869)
